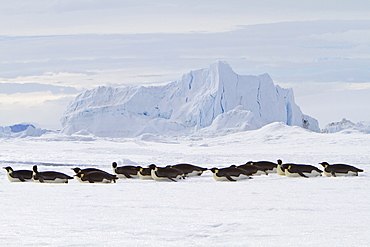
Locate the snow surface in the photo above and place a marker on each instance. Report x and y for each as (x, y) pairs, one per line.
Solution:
(216, 98)
(264, 211)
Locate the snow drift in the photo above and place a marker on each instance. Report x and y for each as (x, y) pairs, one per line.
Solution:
(211, 99)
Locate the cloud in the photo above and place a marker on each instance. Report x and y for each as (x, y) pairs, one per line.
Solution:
(41, 107)
(42, 17)
(15, 88)
(301, 55)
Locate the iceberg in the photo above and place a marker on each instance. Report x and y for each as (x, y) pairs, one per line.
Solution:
(215, 98)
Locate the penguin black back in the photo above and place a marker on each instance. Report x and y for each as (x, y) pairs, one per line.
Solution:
(267, 165)
(189, 169)
(97, 176)
(50, 176)
(253, 169)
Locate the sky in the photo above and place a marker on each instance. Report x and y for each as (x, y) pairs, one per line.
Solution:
(52, 50)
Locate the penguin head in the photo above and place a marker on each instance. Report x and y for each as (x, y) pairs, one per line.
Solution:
(8, 169)
(34, 169)
(232, 166)
(114, 164)
(324, 164)
(152, 166)
(214, 169)
(279, 162)
(76, 170)
(249, 163)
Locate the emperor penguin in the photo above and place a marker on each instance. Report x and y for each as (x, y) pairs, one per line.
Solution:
(298, 170)
(145, 173)
(49, 176)
(336, 170)
(97, 177)
(280, 169)
(80, 172)
(126, 171)
(253, 170)
(18, 175)
(270, 167)
(189, 170)
(231, 173)
(166, 173)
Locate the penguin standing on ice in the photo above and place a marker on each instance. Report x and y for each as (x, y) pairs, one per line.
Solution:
(280, 169)
(49, 176)
(18, 175)
(189, 170)
(126, 171)
(231, 173)
(166, 173)
(336, 170)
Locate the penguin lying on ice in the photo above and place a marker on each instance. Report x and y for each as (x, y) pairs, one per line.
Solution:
(336, 170)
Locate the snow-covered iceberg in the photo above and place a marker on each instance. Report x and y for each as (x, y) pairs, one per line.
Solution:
(215, 98)
(348, 126)
(21, 130)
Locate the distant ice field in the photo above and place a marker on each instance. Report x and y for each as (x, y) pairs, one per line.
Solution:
(263, 211)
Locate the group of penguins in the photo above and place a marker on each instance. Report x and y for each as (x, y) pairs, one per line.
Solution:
(182, 171)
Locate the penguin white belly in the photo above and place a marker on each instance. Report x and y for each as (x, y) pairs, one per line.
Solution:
(194, 174)
(291, 175)
(313, 174)
(123, 176)
(55, 181)
(240, 177)
(349, 174)
(11, 179)
(119, 175)
(307, 174)
(104, 181)
(280, 171)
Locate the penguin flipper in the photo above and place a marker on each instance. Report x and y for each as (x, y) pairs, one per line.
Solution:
(127, 175)
(41, 179)
(229, 178)
(91, 181)
(171, 179)
(333, 174)
(302, 175)
(21, 178)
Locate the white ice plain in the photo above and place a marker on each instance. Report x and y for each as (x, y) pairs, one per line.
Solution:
(264, 211)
